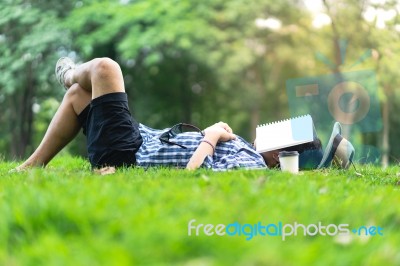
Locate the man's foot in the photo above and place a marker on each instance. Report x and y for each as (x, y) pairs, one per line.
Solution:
(63, 65)
(108, 170)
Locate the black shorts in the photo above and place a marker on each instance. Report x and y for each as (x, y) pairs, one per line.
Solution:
(113, 136)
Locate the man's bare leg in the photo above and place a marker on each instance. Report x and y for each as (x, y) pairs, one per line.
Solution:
(62, 129)
(87, 81)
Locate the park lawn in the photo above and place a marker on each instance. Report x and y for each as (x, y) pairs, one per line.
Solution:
(67, 215)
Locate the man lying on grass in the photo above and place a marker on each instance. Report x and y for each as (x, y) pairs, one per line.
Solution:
(95, 100)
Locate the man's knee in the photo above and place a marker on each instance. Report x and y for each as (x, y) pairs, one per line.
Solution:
(104, 66)
(77, 97)
(76, 92)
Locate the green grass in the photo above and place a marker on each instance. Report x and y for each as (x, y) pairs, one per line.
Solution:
(66, 215)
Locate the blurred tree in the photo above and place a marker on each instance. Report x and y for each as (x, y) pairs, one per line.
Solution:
(372, 28)
(29, 37)
(192, 61)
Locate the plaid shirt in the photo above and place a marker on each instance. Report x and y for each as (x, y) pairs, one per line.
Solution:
(228, 155)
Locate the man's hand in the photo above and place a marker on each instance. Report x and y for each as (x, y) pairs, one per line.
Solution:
(220, 131)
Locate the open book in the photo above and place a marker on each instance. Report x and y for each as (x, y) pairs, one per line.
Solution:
(286, 133)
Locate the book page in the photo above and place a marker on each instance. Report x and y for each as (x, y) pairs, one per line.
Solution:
(286, 133)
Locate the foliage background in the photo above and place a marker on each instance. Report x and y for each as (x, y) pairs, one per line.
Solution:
(191, 61)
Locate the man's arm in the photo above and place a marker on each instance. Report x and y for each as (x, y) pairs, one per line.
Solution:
(213, 134)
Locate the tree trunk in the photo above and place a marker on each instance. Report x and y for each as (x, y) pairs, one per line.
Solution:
(385, 134)
(23, 114)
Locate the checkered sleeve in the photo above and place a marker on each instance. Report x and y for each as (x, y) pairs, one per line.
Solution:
(228, 155)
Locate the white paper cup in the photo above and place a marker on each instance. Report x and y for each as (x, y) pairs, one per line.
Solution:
(289, 161)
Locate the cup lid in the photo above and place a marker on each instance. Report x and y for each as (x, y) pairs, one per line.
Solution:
(288, 153)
